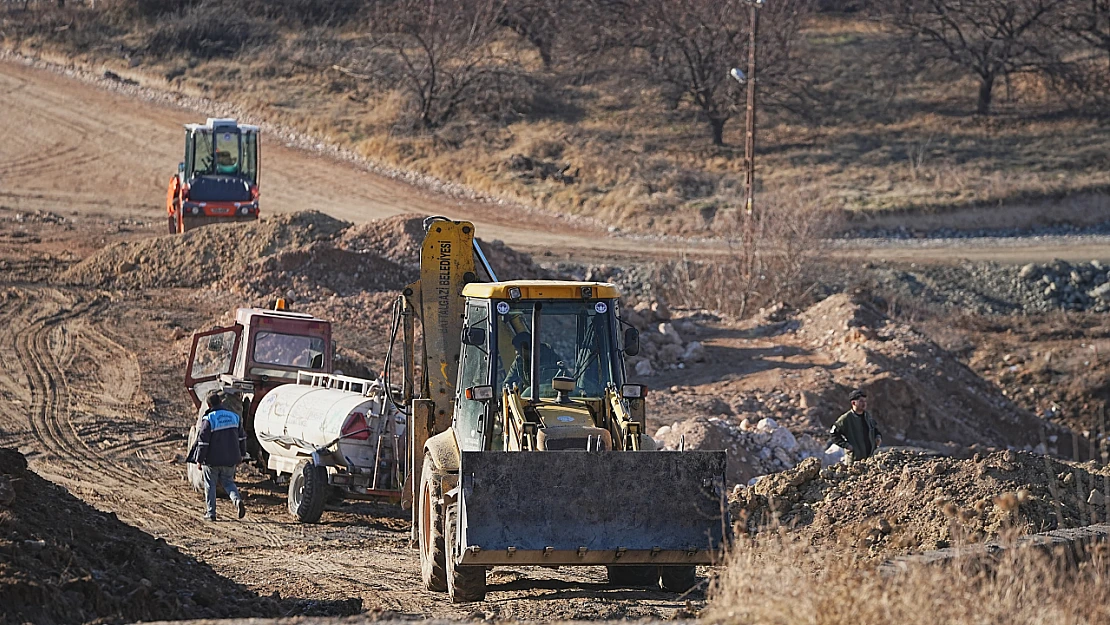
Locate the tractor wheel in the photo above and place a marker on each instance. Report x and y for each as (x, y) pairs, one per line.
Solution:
(308, 490)
(430, 534)
(173, 224)
(464, 583)
(633, 576)
(678, 578)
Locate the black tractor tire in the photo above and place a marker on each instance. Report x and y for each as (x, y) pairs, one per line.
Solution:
(633, 576)
(678, 578)
(433, 562)
(464, 583)
(308, 490)
(173, 224)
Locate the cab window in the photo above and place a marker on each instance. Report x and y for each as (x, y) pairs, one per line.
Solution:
(470, 415)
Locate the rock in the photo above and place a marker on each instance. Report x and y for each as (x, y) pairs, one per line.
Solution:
(670, 354)
(1101, 293)
(767, 425)
(643, 368)
(694, 352)
(1030, 272)
(662, 432)
(834, 455)
(1096, 498)
(783, 439)
(660, 311)
(177, 334)
(780, 454)
(667, 330)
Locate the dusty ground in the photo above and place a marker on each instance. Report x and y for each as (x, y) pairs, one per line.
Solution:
(93, 399)
(93, 312)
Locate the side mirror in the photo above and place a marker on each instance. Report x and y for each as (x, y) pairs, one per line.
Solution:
(631, 341)
(215, 344)
(473, 336)
(181, 168)
(479, 393)
(317, 361)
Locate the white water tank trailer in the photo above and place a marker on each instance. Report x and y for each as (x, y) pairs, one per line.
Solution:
(332, 431)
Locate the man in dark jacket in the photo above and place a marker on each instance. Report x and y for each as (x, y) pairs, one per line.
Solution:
(519, 371)
(221, 444)
(855, 430)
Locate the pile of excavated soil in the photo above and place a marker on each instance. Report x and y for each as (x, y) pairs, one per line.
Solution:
(398, 238)
(199, 257)
(62, 561)
(919, 392)
(798, 370)
(902, 501)
(318, 271)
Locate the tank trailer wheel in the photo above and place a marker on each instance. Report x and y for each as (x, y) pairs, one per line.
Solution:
(308, 490)
(464, 583)
(433, 562)
(633, 576)
(678, 578)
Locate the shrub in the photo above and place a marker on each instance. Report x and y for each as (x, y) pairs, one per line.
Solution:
(206, 31)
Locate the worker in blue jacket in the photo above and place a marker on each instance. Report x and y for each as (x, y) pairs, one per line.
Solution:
(221, 444)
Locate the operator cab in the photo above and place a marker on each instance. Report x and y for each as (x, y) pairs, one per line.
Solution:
(221, 161)
(556, 347)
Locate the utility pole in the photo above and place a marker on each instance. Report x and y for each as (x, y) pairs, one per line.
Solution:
(749, 143)
(749, 261)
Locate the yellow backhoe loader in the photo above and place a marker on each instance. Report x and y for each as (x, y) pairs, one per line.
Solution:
(527, 446)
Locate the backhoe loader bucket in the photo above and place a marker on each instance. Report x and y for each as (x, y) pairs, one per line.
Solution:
(592, 508)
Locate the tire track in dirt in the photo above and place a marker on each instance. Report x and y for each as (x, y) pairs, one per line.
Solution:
(66, 453)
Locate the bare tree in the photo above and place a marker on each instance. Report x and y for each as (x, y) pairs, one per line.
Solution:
(1089, 21)
(690, 45)
(537, 21)
(441, 54)
(992, 39)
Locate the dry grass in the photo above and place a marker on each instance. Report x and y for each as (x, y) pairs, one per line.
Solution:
(876, 136)
(777, 260)
(777, 580)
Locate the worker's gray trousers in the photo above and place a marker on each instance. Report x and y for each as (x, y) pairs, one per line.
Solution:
(223, 476)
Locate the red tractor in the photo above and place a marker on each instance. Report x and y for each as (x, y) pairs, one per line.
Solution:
(218, 180)
(260, 351)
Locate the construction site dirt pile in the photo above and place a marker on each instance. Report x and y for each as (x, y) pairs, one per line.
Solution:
(199, 257)
(799, 371)
(903, 501)
(399, 238)
(919, 391)
(63, 561)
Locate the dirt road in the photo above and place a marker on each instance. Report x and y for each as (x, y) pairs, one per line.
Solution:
(74, 147)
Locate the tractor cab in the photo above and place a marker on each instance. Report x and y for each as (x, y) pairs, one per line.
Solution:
(218, 179)
(262, 350)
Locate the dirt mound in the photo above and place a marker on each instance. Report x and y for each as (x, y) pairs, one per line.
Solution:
(321, 270)
(199, 257)
(754, 449)
(62, 561)
(398, 238)
(920, 393)
(901, 501)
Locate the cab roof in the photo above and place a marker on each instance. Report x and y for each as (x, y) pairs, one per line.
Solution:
(244, 315)
(221, 123)
(541, 289)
